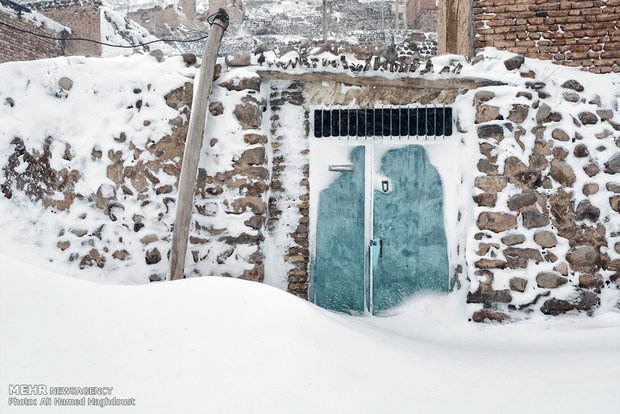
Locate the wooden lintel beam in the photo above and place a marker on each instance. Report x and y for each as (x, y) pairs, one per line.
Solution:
(404, 82)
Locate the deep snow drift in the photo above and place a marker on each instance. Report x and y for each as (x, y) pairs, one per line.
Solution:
(223, 345)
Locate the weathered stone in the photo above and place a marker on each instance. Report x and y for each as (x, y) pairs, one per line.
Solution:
(524, 94)
(216, 108)
(157, 54)
(152, 256)
(486, 113)
(513, 239)
(587, 118)
(560, 135)
(518, 113)
(583, 258)
(563, 174)
(249, 114)
(614, 202)
(164, 189)
(189, 58)
(491, 131)
(548, 280)
(496, 222)
(613, 187)
(514, 62)
(572, 84)
(518, 284)
(595, 101)
(586, 301)
(490, 184)
(489, 297)
(571, 96)
(486, 149)
(486, 199)
(63, 245)
(591, 169)
(538, 162)
(221, 258)
(518, 258)
(253, 203)
(243, 238)
(255, 139)
(605, 114)
(554, 117)
(562, 268)
(581, 151)
(590, 281)
(65, 83)
(487, 167)
(590, 188)
(483, 248)
(586, 211)
(545, 238)
(543, 113)
(543, 147)
(482, 315)
(255, 274)
(534, 219)
(483, 96)
(241, 58)
(121, 254)
(255, 222)
(242, 84)
(617, 247)
(517, 202)
(490, 264)
(602, 135)
(613, 165)
(520, 175)
(253, 156)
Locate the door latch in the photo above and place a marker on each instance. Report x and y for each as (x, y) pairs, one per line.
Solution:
(385, 186)
(376, 247)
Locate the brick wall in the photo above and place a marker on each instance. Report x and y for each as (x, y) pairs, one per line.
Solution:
(572, 33)
(83, 17)
(16, 46)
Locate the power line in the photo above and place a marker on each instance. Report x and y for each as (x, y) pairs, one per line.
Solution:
(210, 20)
(131, 46)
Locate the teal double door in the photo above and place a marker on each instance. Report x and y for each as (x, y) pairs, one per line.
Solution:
(380, 234)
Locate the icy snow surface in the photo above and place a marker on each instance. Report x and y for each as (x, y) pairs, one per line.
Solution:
(220, 345)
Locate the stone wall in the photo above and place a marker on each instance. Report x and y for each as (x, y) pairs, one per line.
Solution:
(573, 33)
(17, 46)
(548, 195)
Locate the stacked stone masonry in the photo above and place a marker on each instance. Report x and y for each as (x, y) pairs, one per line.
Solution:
(292, 202)
(544, 223)
(572, 33)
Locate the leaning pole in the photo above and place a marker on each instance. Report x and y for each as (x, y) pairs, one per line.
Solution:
(193, 145)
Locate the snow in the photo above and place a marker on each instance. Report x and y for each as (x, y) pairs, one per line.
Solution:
(97, 108)
(222, 345)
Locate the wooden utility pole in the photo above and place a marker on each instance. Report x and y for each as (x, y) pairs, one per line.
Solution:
(324, 21)
(193, 145)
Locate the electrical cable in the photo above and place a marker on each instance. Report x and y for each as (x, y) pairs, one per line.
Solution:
(210, 19)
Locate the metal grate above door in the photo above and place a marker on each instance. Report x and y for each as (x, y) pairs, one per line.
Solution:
(383, 122)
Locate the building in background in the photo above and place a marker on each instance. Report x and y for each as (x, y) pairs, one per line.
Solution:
(422, 15)
(16, 44)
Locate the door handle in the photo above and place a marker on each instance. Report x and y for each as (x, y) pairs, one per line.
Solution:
(380, 249)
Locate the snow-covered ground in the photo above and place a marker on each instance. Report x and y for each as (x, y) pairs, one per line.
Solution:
(220, 345)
